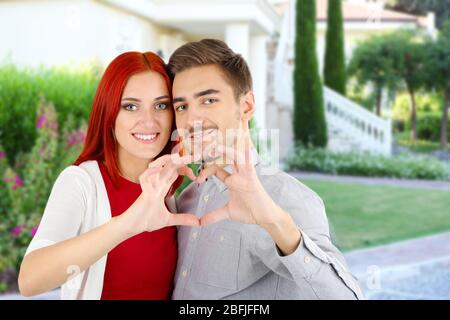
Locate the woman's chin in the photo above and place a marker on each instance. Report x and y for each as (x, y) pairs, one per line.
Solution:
(146, 154)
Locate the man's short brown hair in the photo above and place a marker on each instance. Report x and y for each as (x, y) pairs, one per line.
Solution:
(211, 51)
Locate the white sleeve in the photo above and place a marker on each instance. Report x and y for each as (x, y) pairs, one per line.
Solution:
(65, 209)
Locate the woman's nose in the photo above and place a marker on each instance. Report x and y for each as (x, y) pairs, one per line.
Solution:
(148, 116)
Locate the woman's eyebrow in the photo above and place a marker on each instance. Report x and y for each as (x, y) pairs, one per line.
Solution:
(162, 98)
(156, 99)
(131, 99)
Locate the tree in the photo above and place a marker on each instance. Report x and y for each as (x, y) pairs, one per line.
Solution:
(441, 8)
(413, 78)
(408, 54)
(309, 118)
(334, 69)
(397, 61)
(373, 63)
(438, 71)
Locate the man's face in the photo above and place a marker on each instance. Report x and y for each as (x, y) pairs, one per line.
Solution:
(206, 111)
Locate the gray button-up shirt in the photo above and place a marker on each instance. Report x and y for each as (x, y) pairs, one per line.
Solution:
(231, 260)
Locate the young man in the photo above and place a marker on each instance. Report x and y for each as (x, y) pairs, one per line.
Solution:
(262, 236)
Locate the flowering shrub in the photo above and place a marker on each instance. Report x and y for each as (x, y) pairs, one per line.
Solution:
(70, 88)
(364, 164)
(26, 185)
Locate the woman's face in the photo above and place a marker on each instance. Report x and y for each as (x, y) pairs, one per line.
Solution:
(144, 122)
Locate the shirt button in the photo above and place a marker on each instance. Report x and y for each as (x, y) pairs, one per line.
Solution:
(307, 259)
(206, 198)
(184, 273)
(194, 235)
(222, 238)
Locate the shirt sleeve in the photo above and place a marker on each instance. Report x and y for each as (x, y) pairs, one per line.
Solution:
(64, 211)
(316, 260)
(171, 204)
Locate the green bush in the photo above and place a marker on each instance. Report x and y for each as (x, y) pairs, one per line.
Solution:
(37, 141)
(70, 91)
(364, 164)
(429, 114)
(26, 185)
(428, 126)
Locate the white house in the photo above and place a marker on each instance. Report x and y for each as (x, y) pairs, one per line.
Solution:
(53, 32)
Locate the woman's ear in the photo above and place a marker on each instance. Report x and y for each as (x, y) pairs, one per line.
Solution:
(247, 105)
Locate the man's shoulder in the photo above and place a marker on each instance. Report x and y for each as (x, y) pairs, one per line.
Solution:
(284, 185)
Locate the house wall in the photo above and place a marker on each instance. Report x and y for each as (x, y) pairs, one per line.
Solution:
(61, 32)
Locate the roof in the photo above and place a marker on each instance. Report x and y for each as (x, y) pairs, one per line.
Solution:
(357, 12)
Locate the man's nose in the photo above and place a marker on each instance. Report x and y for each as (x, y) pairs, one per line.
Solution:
(194, 119)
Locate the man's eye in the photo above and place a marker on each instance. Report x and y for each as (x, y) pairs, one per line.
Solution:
(210, 101)
(180, 108)
(161, 106)
(130, 107)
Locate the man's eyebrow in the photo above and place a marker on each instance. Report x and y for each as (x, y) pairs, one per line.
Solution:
(196, 95)
(178, 99)
(205, 92)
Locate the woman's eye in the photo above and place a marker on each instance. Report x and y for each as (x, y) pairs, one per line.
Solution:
(130, 107)
(210, 101)
(180, 108)
(161, 106)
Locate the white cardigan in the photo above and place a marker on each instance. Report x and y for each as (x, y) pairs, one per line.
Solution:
(78, 203)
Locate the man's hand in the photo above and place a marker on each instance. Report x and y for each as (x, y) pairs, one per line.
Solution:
(248, 200)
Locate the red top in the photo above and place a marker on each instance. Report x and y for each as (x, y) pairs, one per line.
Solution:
(141, 267)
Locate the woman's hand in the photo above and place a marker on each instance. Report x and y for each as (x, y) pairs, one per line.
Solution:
(149, 212)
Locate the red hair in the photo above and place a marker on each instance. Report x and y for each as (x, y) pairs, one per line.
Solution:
(100, 143)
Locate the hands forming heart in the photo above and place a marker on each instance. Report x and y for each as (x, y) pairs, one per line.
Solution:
(149, 212)
(248, 203)
(248, 200)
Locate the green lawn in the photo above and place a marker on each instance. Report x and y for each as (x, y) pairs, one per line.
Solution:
(362, 216)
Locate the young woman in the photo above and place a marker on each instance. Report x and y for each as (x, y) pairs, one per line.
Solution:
(106, 232)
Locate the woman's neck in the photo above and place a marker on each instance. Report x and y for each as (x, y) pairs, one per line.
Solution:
(131, 167)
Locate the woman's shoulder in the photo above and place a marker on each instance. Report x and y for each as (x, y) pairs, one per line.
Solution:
(79, 174)
(75, 170)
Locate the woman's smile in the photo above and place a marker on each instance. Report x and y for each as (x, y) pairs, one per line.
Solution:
(146, 138)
